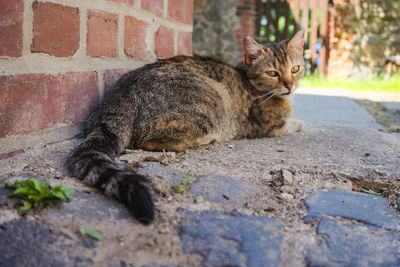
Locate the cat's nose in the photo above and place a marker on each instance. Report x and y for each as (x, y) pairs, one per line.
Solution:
(288, 85)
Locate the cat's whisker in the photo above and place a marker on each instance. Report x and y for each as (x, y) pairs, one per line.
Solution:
(261, 96)
(268, 98)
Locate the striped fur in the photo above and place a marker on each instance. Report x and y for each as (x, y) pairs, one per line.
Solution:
(93, 162)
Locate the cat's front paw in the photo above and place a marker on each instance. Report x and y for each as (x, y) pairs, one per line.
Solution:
(301, 125)
(293, 126)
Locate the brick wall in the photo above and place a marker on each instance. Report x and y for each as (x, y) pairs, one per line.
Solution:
(340, 63)
(59, 57)
(246, 11)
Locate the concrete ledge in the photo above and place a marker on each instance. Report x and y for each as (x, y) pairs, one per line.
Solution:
(13, 145)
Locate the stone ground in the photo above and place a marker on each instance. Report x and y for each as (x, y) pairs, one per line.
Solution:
(287, 201)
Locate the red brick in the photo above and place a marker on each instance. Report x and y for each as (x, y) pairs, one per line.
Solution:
(185, 43)
(156, 6)
(102, 34)
(11, 154)
(110, 78)
(125, 2)
(164, 42)
(11, 18)
(135, 38)
(33, 102)
(55, 29)
(181, 11)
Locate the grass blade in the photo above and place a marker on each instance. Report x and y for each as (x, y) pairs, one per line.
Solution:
(92, 233)
(369, 191)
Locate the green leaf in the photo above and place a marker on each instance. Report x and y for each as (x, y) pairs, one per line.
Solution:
(22, 210)
(92, 233)
(36, 184)
(35, 199)
(23, 192)
(62, 192)
(57, 188)
(57, 194)
(47, 184)
(69, 192)
(369, 191)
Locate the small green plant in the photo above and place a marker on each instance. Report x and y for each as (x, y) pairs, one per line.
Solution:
(183, 186)
(389, 117)
(90, 232)
(35, 193)
(369, 191)
(259, 209)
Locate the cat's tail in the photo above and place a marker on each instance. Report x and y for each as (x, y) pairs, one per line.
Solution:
(93, 162)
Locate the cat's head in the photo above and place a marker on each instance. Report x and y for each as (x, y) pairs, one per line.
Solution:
(277, 67)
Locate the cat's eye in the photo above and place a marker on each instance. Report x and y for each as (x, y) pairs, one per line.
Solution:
(272, 73)
(295, 69)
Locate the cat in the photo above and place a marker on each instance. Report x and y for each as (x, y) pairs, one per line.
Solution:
(187, 102)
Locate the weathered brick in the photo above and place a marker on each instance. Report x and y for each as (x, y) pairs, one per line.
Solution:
(181, 10)
(102, 34)
(33, 102)
(185, 43)
(11, 154)
(164, 42)
(55, 29)
(156, 6)
(11, 18)
(136, 35)
(110, 78)
(125, 2)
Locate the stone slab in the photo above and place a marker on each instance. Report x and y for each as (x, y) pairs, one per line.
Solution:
(332, 111)
(231, 239)
(354, 245)
(331, 149)
(160, 173)
(88, 207)
(222, 189)
(24, 242)
(369, 209)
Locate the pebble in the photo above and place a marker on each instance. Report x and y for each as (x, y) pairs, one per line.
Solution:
(287, 189)
(287, 177)
(167, 158)
(158, 187)
(198, 200)
(287, 196)
(394, 128)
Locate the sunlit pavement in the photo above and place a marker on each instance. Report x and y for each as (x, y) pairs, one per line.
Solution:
(337, 107)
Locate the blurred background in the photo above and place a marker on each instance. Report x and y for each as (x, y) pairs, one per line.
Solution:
(356, 39)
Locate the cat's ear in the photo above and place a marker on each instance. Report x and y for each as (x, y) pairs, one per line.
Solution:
(297, 41)
(252, 50)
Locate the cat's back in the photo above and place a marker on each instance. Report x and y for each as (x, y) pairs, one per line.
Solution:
(177, 81)
(180, 71)
(181, 84)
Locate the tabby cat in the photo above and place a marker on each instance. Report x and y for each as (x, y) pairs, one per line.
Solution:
(187, 102)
